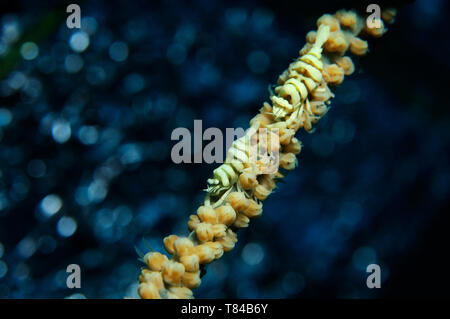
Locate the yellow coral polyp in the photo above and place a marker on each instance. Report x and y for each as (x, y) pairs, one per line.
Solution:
(337, 43)
(179, 293)
(238, 187)
(191, 279)
(172, 272)
(376, 32)
(148, 291)
(262, 192)
(358, 46)
(183, 246)
(346, 64)
(293, 147)
(228, 241)
(207, 214)
(329, 20)
(204, 232)
(242, 221)
(333, 74)
(191, 263)
(288, 161)
(194, 220)
(205, 253)
(347, 19)
(168, 243)
(216, 247)
(388, 15)
(152, 278)
(248, 180)
(226, 214)
(155, 260)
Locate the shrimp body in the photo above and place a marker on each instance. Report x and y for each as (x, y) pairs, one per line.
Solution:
(301, 78)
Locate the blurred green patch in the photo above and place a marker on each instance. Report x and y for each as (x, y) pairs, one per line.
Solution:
(43, 28)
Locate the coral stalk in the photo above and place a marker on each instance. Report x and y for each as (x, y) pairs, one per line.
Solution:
(239, 186)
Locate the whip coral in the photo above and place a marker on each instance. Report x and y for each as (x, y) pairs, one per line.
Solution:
(238, 187)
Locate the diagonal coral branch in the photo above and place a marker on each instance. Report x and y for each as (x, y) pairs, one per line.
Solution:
(238, 187)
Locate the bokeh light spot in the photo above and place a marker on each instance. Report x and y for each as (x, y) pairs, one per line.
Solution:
(79, 41)
(26, 247)
(118, 51)
(5, 117)
(29, 50)
(36, 168)
(73, 63)
(50, 205)
(61, 131)
(66, 226)
(252, 254)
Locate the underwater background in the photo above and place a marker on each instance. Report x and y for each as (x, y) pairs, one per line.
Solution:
(86, 175)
